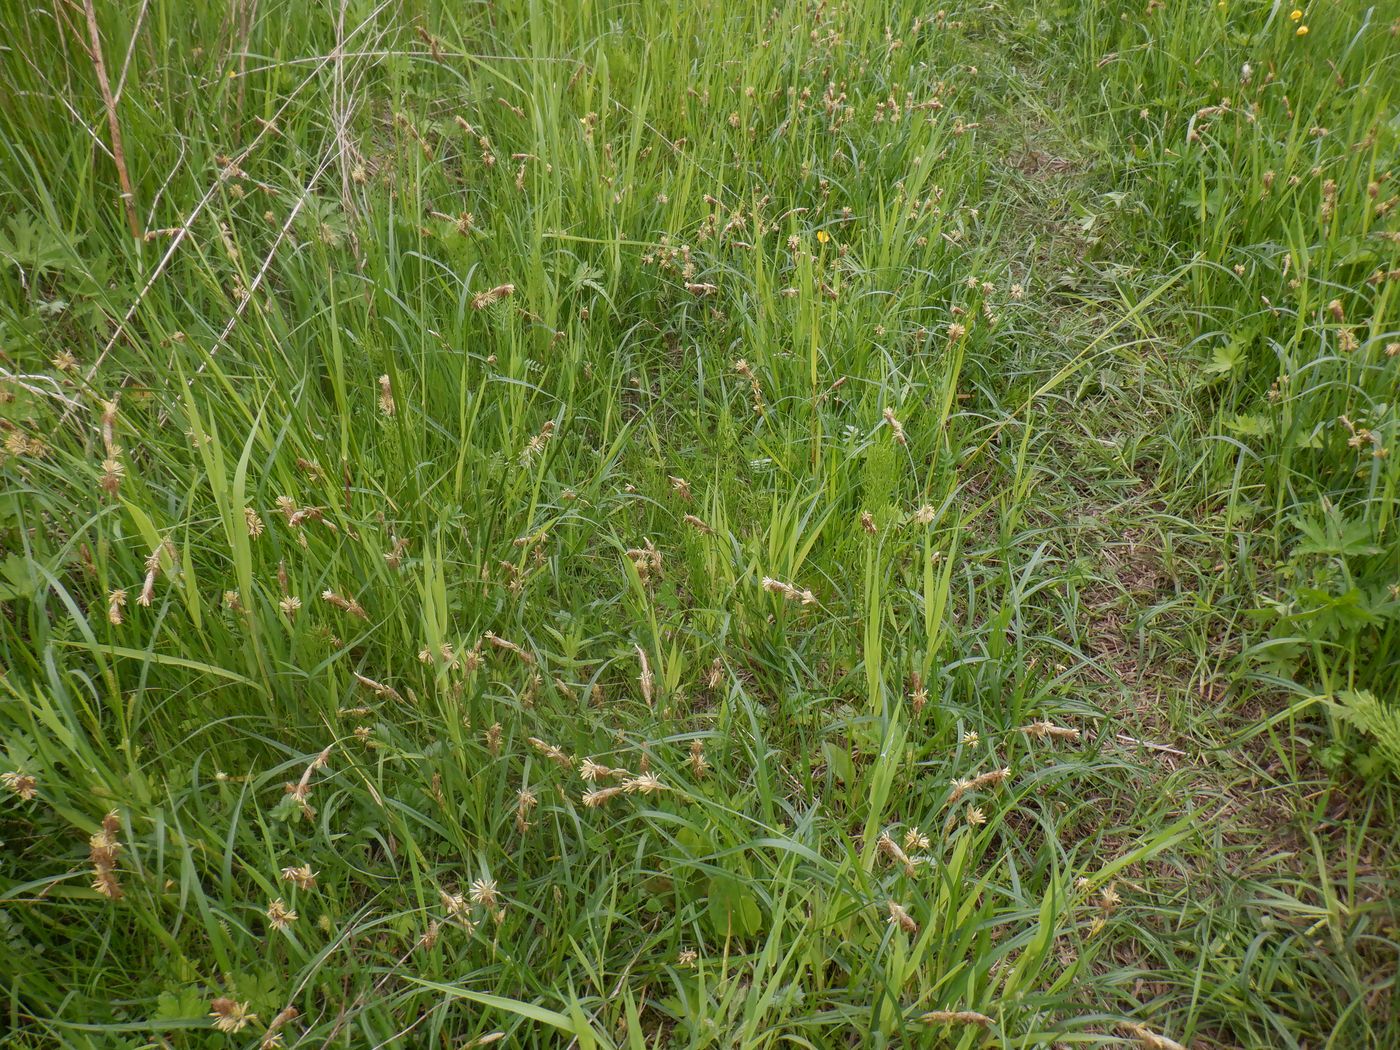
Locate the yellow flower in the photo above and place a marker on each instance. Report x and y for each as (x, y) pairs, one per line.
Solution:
(1302, 31)
(1296, 15)
(823, 236)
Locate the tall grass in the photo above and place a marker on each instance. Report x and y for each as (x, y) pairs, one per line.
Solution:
(537, 540)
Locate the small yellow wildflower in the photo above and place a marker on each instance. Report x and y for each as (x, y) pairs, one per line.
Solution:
(1302, 31)
(823, 236)
(1296, 15)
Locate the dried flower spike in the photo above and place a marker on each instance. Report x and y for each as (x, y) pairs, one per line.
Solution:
(551, 752)
(510, 647)
(148, 586)
(645, 784)
(598, 796)
(901, 918)
(645, 679)
(103, 850)
(272, 1038)
(891, 849)
(231, 1016)
(484, 299)
(698, 764)
(1046, 729)
(349, 605)
(525, 802)
(483, 891)
(430, 936)
(592, 772)
(918, 695)
(788, 591)
(915, 839)
(21, 783)
(279, 915)
(990, 778)
(896, 426)
(113, 471)
(300, 876)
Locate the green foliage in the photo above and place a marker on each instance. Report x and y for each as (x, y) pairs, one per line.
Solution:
(1379, 722)
(627, 525)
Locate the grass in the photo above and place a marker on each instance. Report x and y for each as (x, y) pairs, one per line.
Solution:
(639, 525)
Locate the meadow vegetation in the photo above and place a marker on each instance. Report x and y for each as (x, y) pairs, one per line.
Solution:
(710, 524)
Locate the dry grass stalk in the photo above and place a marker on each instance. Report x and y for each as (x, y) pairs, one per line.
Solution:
(109, 102)
(956, 1017)
(1148, 1039)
